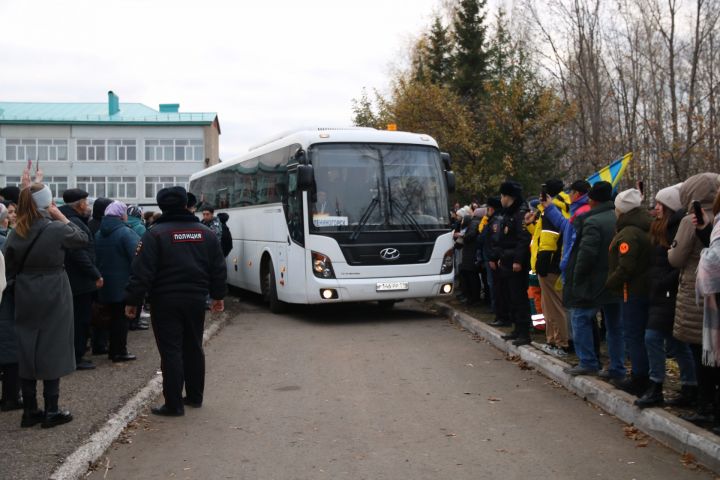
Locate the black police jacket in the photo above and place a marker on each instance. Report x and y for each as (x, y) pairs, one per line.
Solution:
(178, 257)
(509, 240)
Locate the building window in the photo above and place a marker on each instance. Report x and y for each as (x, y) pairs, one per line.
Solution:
(122, 150)
(91, 150)
(57, 184)
(42, 149)
(95, 186)
(154, 184)
(174, 150)
(121, 187)
(109, 187)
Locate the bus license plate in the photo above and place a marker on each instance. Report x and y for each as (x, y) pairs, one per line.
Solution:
(391, 286)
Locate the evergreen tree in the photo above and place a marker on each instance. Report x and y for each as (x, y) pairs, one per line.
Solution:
(439, 49)
(471, 59)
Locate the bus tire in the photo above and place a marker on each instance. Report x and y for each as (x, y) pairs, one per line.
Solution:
(270, 290)
(386, 304)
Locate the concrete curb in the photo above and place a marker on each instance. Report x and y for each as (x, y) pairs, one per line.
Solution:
(78, 462)
(668, 429)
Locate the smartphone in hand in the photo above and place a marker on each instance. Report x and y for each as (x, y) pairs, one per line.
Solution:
(543, 193)
(29, 165)
(697, 209)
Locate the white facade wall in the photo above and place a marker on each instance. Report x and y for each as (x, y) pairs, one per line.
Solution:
(140, 169)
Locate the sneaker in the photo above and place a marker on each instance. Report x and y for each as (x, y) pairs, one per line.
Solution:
(560, 352)
(548, 348)
(606, 375)
(144, 314)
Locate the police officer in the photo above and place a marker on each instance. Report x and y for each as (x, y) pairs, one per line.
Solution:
(512, 260)
(178, 263)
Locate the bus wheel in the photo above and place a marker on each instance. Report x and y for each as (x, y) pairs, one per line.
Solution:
(270, 290)
(386, 304)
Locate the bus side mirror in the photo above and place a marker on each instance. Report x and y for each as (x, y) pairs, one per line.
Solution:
(445, 157)
(450, 180)
(300, 157)
(306, 177)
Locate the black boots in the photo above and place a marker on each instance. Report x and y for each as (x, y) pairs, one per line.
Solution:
(31, 415)
(652, 397)
(10, 399)
(634, 384)
(687, 398)
(53, 415)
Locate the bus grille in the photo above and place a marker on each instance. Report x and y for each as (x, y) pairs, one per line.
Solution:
(370, 254)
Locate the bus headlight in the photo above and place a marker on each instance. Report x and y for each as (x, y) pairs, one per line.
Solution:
(447, 263)
(322, 266)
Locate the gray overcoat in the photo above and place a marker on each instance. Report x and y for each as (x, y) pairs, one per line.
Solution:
(43, 299)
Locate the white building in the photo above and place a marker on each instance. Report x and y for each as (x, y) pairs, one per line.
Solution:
(124, 151)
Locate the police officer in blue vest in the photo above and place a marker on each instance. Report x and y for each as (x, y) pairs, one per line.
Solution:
(178, 263)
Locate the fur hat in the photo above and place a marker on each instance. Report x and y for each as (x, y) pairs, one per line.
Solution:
(172, 198)
(601, 192)
(511, 189)
(494, 202)
(628, 200)
(670, 197)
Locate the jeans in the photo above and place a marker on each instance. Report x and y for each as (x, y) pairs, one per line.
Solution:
(615, 339)
(655, 342)
(634, 319)
(582, 320)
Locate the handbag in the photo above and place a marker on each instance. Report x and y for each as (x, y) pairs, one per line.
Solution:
(10, 288)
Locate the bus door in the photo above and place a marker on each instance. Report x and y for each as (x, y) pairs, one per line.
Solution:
(294, 246)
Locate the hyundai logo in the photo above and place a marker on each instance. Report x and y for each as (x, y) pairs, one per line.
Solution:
(389, 254)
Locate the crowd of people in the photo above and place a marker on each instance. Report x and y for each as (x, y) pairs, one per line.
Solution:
(642, 277)
(67, 274)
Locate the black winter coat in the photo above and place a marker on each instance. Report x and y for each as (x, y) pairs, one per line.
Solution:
(509, 240)
(178, 257)
(470, 239)
(664, 281)
(80, 263)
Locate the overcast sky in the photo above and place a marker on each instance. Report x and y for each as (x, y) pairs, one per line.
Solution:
(264, 66)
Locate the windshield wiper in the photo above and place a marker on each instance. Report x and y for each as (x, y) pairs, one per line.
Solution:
(410, 219)
(364, 219)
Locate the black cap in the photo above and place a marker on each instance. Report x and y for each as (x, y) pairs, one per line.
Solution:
(494, 202)
(192, 200)
(580, 186)
(601, 192)
(10, 193)
(98, 210)
(554, 186)
(172, 198)
(74, 194)
(511, 189)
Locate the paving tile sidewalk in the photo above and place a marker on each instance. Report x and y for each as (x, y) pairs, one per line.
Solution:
(663, 426)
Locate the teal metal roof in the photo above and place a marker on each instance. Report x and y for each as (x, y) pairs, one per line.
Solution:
(96, 113)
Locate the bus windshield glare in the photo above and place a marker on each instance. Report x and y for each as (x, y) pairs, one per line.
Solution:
(377, 187)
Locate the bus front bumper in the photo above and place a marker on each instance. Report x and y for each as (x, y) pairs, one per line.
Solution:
(378, 289)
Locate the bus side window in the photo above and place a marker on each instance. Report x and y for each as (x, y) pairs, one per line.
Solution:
(293, 209)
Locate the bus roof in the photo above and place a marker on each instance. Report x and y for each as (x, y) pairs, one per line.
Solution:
(311, 136)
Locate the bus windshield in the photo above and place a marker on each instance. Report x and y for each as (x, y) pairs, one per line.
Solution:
(362, 186)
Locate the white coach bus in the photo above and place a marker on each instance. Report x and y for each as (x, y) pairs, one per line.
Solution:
(336, 215)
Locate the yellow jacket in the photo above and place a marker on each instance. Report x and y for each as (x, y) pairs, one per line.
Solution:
(545, 244)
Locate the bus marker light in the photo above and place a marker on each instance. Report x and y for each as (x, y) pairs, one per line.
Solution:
(324, 135)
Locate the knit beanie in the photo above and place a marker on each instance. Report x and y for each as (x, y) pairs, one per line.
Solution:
(628, 200)
(670, 197)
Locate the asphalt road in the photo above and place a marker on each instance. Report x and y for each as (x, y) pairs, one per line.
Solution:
(358, 393)
(91, 396)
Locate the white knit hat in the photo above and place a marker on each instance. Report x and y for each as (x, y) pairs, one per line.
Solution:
(628, 200)
(670, 197)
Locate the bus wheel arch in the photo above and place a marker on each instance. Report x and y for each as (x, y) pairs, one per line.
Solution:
(268, 284)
